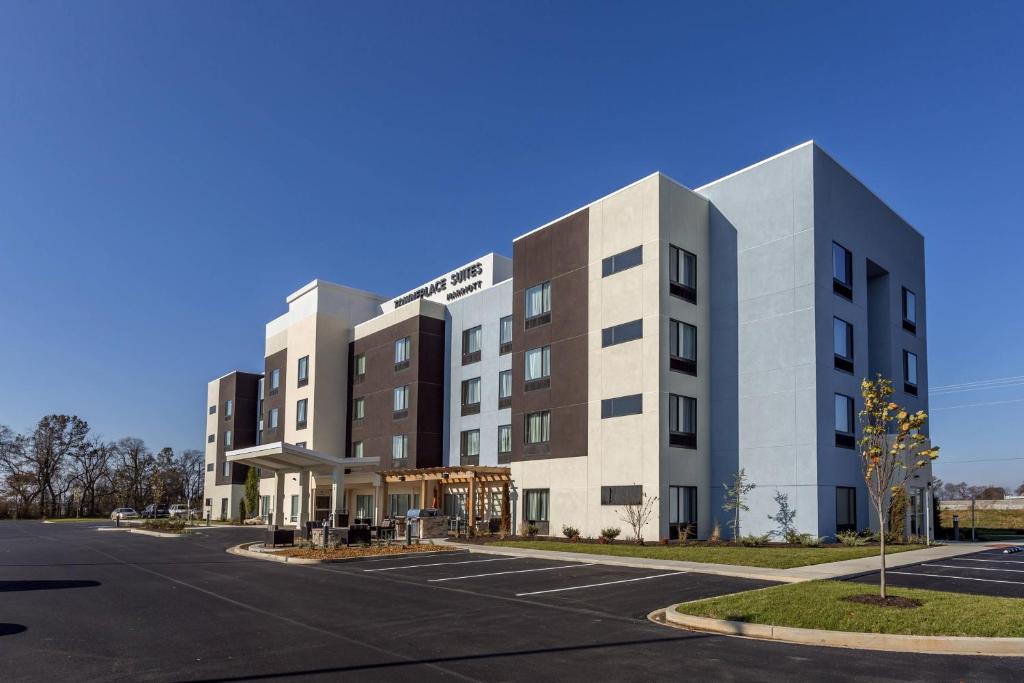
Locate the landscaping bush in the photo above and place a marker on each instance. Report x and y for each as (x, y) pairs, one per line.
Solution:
(754, 541)
(810, 540)
(172, 525)
(610, 534)
(571, 532)
(532, 530)
(850, 538)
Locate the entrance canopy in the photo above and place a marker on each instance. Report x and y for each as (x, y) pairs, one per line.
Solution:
(449, 475)
(285, 457)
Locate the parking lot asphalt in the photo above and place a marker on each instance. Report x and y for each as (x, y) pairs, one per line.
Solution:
(82, 604)
(989, 572)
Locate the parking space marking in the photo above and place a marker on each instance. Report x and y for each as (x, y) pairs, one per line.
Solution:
(973, 569)
(514, 571)
(441, 564)
(975, 559)
(958, 578)
(596, 585)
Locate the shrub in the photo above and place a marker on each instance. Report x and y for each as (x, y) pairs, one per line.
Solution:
(174, 525)
(571, 532)
(610, 534)
(793, 537)
(897, 513)
(810, 540)
(753, 541)
(850, 538)
(532, 530)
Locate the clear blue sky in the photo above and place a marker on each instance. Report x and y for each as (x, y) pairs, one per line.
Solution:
(169, 172)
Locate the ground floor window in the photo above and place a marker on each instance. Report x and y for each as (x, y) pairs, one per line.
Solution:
(455, 505)
(400, 503)
(265, 506)
(682, 520)
(223, 508)
(495, 505)
(536, 508)
(364, 507)
(917, 512)
(846, 508)
(295, 508)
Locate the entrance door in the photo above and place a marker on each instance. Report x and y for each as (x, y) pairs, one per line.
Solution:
(917, 512)
(322, 505)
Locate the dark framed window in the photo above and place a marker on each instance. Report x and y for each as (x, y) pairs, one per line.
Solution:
(303, 371)
(682, 347)
(273, 418)
(505, 335)
(210, 438)
(682, 421)
(209, 468)
(213, 410)
(910, 372)
(471, 396)
(620, 334)
(472, 340)
(909, 311)
(846, 508)
(536, 505)
(229, 409)
(504, 439)
(400, 402)
(300, 444)
(227, 439)
(538, 305)
(845, 425)
(300, 413)
(682, 274)
(622, 495)
(505, 389)
(842, 271)
(537, 368)
(359, 365)
(842, 344)
(622, 261)
(682, 514)
(538, 427)
(358, 408)
(469, 447)
(399, 447)
(622, 405)
(275, 380)
(403, 352)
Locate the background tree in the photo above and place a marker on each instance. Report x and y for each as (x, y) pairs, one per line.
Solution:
(736, 499)
(252, 491)
(90, 471)
(19, 483)
(55, 439)
(892, 448)
(190, 474)
(134, 471)
(638, 515)
(1020, 490)
(992, 493)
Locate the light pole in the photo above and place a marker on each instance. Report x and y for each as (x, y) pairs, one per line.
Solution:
(513, 496)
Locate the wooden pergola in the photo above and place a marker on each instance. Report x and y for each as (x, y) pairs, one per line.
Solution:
(478, 480)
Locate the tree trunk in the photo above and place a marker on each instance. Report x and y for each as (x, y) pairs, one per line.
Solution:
(881, 573)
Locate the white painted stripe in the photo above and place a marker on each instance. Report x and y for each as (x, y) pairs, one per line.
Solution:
(959, 578)
(975, 559)
(441, 564)
(596, 585)
(973, 569)
(515, 571)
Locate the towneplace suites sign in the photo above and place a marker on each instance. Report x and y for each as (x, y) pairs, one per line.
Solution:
(463, 281)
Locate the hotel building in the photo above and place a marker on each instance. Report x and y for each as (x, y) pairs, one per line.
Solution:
(650, 343)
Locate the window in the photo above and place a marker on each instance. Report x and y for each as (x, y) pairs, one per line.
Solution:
(682, 519)
(264, 506)
(209, 467)
(910, 372)
(454, 505)
(538, 305)
(226, 469)
(620, 334)
(505, 389)
(844, 422)
(399, 504)
(622, 261)
(273, 418)
(275, 380)
(227, 439)
(300, 413)
(505, 334)
(538, 367)
(304, 371)
(229, 409)
(471, 396)
(682, 274)
(210, 438)
(682, 421)
(359, 365)
(364, 507)
(469, 447)
(538, 427)
(357, 449)
(909, 311)
(295, 508)
(846, 508)
(842, 271)
(622, 405)
(842, 344)
(213, 410)
(471, 340)
(402, 349)
(209, 502)
(400, 399)
(300, 444)
(682, 347)
(223, 508)
(504, 438)
(399, 447)
(358, 408)
(622, 495)
(536, 505)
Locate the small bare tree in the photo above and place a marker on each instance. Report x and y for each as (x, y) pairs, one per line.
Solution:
(736, 499)
(892, 448)
(637, 515)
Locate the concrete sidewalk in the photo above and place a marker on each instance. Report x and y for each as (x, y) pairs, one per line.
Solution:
(830, 570)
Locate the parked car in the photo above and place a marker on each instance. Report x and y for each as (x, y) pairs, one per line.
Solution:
(180, 510)
(124, 513)
(154, 510)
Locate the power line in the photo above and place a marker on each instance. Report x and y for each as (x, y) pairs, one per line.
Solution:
(980, 387)
(977, 382)
(976, 405)
(957, 462)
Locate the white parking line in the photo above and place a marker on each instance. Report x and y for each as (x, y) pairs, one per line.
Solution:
(975, 559)
(595, 585)
(515, 571)
(973, 569)
(441, 564)
(959, 578)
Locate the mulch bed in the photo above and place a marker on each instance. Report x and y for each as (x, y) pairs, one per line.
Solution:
(879, 601)
(361, 551)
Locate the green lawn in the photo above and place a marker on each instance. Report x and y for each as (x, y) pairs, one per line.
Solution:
(779, 558)
(818, 604)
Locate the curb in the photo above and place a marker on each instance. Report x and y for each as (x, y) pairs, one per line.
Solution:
(947, 645)
(242, 549)
(144, 532)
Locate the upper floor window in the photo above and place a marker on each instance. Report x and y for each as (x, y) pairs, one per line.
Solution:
(300, 413)
(357, 449)
(538, 304)
(909, 311)
(209, 468)
(844, 421)
(682, 421)
(213, 410)
(227, 469)
(273, 418)
(620, 334)
(471, 342)
(505, 334)
(304, 371)
(504, 388)
(910, 372)
(275, 380)
(471, 396)
(403, 347)
(538, 364)
(210, 438)
(842, 344)
(682, 347)
(227, 439)
(842, 271)
(504, 438)
(399, 447)
(622, 261)
(622, 405)
(358, 408)
(359, 365)
(469, 445)
(538, 427)
(682, 273)
(400, 399)
(229, 409)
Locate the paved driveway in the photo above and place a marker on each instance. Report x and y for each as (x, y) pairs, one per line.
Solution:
(80, 604)
(990, 572)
